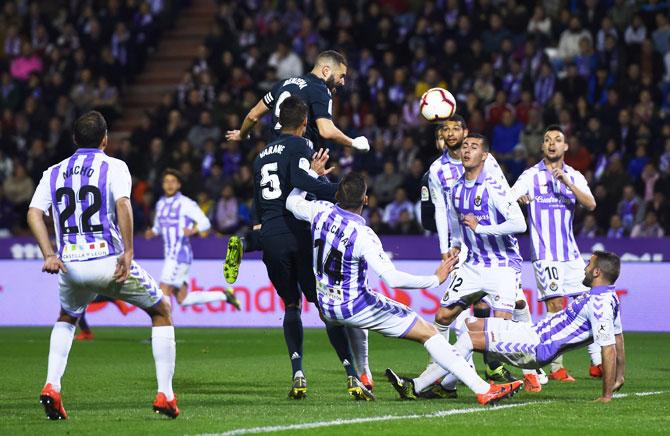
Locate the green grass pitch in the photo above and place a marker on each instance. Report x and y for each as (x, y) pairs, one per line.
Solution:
(232, 379)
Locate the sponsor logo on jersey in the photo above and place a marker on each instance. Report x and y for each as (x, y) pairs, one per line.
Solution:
(425, 195)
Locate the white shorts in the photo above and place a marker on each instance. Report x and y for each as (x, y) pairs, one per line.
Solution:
(83, 281)
(559, 279)
(511, 342)
(381, 314)
(519, 295)
(470, 283)
(175, 273)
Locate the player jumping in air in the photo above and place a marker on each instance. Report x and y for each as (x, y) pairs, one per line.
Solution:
(552, 190)
(177, 219)
(89, 197)
(282, 165)
(344, 247)
(594, 317)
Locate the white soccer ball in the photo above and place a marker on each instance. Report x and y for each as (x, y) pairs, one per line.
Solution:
(437, 104)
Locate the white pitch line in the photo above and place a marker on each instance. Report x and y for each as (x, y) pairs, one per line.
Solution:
(637, 394)
(309, 425)
(440, 414)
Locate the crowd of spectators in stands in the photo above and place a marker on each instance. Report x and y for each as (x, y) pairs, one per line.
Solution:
(599, 69)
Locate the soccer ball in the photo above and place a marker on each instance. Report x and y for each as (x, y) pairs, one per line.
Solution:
(437, 104)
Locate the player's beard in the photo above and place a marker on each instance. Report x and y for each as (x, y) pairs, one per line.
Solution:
(588, 279)
(330, 83)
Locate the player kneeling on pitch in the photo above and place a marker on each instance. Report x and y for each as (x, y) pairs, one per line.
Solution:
(593, 317)
(344, 247)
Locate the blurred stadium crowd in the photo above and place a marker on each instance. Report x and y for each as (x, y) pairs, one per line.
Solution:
(600, 69)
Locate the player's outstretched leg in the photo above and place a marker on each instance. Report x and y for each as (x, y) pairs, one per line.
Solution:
(60, 343)
(164, 350)
(358, 340)
(338, 339)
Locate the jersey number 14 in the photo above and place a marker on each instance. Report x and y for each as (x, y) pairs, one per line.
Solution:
(333, 264)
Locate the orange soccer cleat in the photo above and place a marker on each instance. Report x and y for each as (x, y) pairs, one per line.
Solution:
(123, 307)
(561, 375)
(53, 405)
(367, 381)
(84, 335)
(168, 408)
(499, 392)
(596, 371)
(531, 383)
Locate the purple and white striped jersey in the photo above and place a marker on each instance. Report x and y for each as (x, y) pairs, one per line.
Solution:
(344, 248)
(488, 200)
(551, 211)
(173, 215)
(594, 316)
(443, 174)
(83, 190)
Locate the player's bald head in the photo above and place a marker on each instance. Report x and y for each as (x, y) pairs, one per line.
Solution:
(351, 192)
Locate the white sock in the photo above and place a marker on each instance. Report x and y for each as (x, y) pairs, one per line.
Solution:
(165, 351)
(595, 353)
(448, 358)
(522, 315)
(433, 371)
(464, 347)
(298, 373)
(62, 335)
(203, 297)
(358, 339)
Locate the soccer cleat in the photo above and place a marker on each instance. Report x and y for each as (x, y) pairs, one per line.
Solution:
(561, 375)
(596, 371)
(367, 382)
(123, 307)
(434, 392)
(84, 335)
(499, 392)
(542, 376)
(358, 391)
(531, 383)
(231, 266)
(404, 386)
(165, 407)
(299, 389)
(231, 298)
(53, 405)
(499, 375)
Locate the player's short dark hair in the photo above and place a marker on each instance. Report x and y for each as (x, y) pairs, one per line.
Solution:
(609, 263)
(351, 191)
(485, 141)
(89, 130)
(554, 128)
(331, 55)
(292, 112)
(174, 173)
(456, 118)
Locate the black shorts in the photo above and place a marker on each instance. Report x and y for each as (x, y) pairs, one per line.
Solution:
(288, 260)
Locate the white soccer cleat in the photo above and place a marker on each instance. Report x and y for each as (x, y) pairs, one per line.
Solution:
(542, 377)
(203, 298)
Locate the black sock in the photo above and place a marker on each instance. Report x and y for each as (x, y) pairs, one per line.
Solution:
(83, 325)
(252, 241)
(340, 342)
(293, 335)
(481, 312)
(492, 364)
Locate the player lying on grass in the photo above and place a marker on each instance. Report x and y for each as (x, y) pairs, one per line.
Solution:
(593, 317)
(89, 196)
(344, 247)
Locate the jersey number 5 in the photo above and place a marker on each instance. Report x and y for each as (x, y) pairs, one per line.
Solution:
(270, 182)
(333, 264)
(93, 207)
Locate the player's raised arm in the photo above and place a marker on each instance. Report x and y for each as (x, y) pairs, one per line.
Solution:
(300, 177)
(380, 263)
(328, 130)
(249, 122)
(580, 188)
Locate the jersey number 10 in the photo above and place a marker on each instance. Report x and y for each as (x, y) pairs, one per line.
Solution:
(93, 207)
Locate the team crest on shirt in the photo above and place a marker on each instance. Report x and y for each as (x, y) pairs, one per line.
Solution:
(553, 286)
(478, 201)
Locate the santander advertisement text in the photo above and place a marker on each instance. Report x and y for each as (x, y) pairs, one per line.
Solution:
(30, 298)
